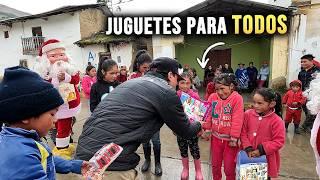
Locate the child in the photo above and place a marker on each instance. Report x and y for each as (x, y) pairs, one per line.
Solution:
(293, 101)
(141, 64)
(185, 86)
(106, 82)
(211, 87)
(225, 121)
(28, 108)
(123, 75)
(263, 130)
(88, 80)
(195, 79)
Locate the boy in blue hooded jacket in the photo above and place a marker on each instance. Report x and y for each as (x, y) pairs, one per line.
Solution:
(27, 108)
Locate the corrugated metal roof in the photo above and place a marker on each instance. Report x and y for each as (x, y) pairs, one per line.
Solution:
(64, 9)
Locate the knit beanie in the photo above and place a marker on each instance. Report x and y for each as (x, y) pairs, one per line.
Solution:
(24, 94)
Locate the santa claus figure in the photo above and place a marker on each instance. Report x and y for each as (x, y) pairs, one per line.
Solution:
(55, 66)
(313, 95)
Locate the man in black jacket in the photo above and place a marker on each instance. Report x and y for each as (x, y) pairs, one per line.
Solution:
(132, 113)
(306, 75)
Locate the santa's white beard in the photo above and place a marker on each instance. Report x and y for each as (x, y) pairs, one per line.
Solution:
(47, 70)
(313, 95)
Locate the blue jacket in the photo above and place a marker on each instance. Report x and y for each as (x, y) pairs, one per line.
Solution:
(23, 156)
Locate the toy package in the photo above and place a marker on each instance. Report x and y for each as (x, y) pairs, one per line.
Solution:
(102, 160)
(196, 110)
(251, 168)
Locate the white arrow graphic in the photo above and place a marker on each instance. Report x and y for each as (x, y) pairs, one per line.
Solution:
(204, 61)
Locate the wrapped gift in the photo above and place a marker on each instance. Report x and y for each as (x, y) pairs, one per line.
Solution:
(102, 160)
(195, 109)
(251, 168)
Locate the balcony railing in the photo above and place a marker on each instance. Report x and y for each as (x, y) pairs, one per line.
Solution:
(31, 45)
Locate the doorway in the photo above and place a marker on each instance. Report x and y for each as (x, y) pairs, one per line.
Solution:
(219, 57)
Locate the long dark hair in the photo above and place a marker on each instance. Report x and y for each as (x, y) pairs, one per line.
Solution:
(226, 79)
(105, 65)
(142, 57)
(270, 95)
(88, 69)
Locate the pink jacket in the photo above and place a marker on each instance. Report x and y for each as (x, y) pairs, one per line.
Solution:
(191, 93)
(226, 117)
(268, 131)
(87, 82)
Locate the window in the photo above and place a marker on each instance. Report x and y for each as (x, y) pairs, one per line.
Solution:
(36, 31)
(6, 34)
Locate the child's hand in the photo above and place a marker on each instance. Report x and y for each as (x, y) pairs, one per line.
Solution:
(295, 103)
(86, 166)
(233, 143)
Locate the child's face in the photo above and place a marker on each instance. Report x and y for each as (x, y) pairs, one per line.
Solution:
(43, 123)
(111, 75)
(57, 55)
(144, 68)
(123, 72)
(295, 88)
(92, 72)
(185, 84)
(223, 91)
(260, 105)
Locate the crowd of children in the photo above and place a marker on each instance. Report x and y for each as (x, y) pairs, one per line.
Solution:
(258, 131)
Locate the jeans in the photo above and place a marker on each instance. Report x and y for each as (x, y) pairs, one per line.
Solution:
(308, 123)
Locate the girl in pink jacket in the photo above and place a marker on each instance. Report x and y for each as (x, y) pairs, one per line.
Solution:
(263, 131)
(185, 86)
(225, 122)
(89, 79)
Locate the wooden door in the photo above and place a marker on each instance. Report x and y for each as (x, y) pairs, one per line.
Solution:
(219, 57)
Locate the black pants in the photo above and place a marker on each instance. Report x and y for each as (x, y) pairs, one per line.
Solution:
(308, 123)
(192, 144)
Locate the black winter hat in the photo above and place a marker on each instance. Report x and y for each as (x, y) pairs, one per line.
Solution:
(165, 65)
(24, 94)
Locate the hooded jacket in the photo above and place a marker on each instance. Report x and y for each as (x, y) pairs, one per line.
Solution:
(130, 115)
(226, 117)
(24, 156)
(290, 97)
(266, 133)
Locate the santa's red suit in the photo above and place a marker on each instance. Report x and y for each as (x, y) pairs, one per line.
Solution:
(313, 104)
(51, 63)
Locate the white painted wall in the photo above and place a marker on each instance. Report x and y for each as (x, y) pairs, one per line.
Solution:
(65, 27)
(164, 46)
(124, 51)
(91, 54)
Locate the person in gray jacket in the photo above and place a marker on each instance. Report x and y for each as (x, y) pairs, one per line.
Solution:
(132, 113)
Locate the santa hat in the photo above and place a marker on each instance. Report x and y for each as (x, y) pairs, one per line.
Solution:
(49, 45)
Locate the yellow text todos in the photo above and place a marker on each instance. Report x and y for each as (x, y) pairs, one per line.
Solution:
(259, 24)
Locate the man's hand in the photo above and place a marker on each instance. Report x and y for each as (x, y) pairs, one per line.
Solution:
(61, 76)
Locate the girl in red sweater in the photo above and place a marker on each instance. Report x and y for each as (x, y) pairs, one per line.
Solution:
(263, 131)
(225, 122)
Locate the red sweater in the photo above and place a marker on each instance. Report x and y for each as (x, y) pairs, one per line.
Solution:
(210, 89)
(291, 97)
(268, 131)
(226, 118)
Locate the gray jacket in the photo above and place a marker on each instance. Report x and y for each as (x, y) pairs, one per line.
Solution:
(130, 115)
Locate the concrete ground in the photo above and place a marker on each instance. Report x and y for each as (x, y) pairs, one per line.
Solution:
(297, 158)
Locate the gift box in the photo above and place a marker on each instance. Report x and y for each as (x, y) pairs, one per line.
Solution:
(251, 168)
(195, 109)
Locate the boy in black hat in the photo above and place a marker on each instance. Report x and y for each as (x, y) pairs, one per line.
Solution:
(28, 107)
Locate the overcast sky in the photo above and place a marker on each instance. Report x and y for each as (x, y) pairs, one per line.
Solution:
(135, 6)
